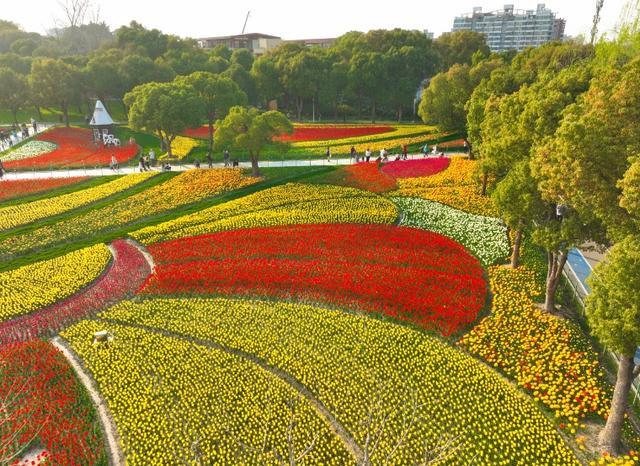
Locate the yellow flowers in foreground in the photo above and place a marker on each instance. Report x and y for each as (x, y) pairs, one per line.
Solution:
(186, 188)
(289, 204)
(356, 366)
(22, 214)
(177, 402)
(35, 286)
(455, 187)
(546, 355)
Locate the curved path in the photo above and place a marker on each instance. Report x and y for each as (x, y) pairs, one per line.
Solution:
(114, 452)
(336, 427)
(127, 272)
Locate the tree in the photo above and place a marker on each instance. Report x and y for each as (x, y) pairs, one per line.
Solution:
(444, 101)
(137, 69)
(613, 312)
(251, 130)
(242, 57)
(519, 203)
(104, 77)
(459, 47)
(217, 93)
(135, 38)
(166, 109)
(14, 92)
(55, 82)
(267, 80)
(243, 79)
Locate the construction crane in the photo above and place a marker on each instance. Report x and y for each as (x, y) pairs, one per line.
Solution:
(245, 21)
(596, 21)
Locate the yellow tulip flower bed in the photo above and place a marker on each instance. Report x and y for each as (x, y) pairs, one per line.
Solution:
(186, 188)
(182, 146)
(400, 132)
(456, 187)
(32, 287)
(177, 402)
(359, 368)
(289, 204)
(546, 355)
(22, 214)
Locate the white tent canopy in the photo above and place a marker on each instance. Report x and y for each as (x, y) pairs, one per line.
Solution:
(100, 116)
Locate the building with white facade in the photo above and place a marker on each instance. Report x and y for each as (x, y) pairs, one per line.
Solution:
(511, 29)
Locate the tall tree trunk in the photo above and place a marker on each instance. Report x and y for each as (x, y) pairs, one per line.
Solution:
(515, 255)
(65, 112)
(359, 107)
(299, 107)
(611, 436)
(555, 264)
(161, 141)
(485, 181)
(335, 110)
(373, 111)
(255, 169)
(400, 114)
(39, 112)
(211, 135)
(14, 112)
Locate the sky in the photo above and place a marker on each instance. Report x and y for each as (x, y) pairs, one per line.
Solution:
(298, 19)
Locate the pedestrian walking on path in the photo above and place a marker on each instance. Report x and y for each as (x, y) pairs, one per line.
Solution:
(226, 157)
(328, 154)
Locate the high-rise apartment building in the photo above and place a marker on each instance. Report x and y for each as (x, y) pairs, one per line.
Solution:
(511, 29)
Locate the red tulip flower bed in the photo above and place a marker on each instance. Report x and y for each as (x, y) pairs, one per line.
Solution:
(12, 189)
(126, 274)
(45, 407)
(75, 148)
(321, 133)
(366, 176)
(416, 168)
(197, 133)
(403, 273)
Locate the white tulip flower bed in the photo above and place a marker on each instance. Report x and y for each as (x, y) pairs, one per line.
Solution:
(484, 237)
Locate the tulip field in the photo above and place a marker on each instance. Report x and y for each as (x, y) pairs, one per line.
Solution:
(66, 147)
(352, 315)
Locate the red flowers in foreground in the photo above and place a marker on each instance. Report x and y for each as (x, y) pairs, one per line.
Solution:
(416, 168)
(406, 274)
(125, 275)
(317, 133)
(45, 404)
(75, 148)
(12, 189)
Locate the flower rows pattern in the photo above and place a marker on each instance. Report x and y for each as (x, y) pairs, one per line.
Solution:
(406, 274)
(360, 368)
(34, 286)
(288, 204)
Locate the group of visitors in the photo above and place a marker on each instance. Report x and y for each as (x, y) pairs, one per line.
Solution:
(16, 133)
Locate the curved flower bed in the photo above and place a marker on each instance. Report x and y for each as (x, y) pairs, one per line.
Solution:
(365, 176)
(186, 188)
(34, 286)
(288, 204)
(13, 189)
(355, 365)
(168, 395)
(182, 146)
(28, 150)
(411, 275)
(44, 403)
(544, 354)
(415, 168)
(75, 147)
(127, 273)
(23, 214)
(390, 137)
(485, 237)
(456, 187)
(328, 132)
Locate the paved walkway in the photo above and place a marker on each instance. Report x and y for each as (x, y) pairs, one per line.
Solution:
(106, 171)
